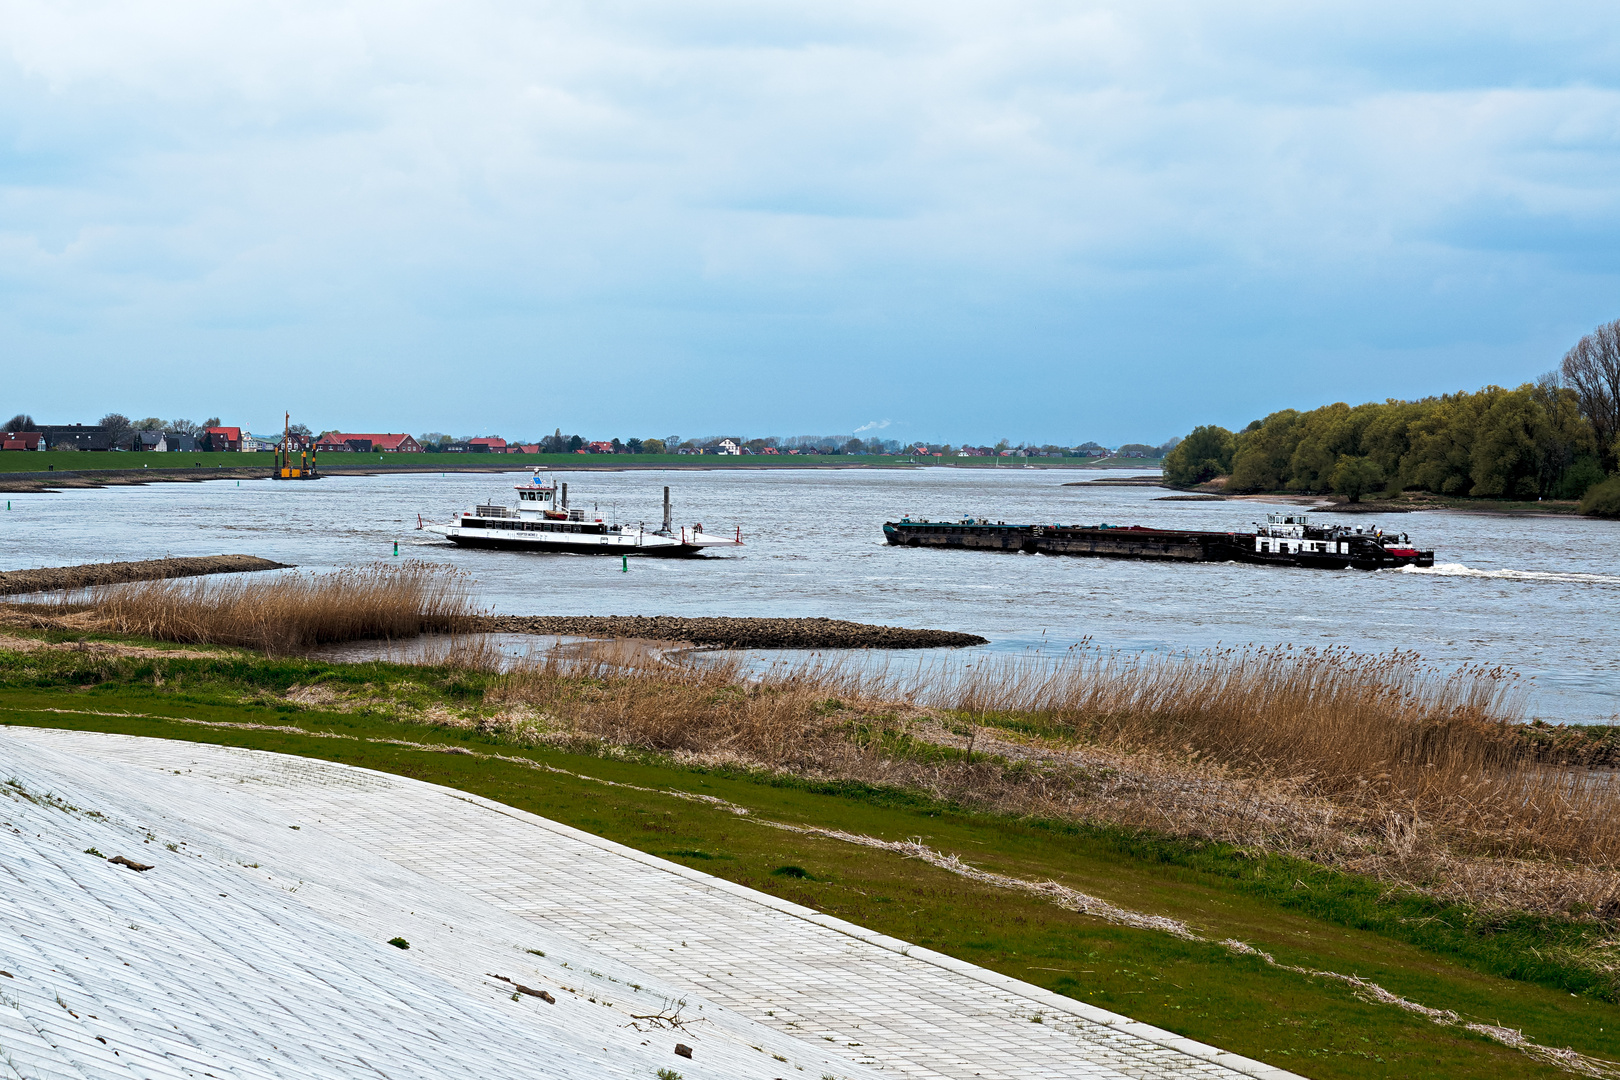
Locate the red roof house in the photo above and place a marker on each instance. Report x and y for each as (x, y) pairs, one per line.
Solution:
(23, 440)
(223, 438)
(385, 444)
(496, 446)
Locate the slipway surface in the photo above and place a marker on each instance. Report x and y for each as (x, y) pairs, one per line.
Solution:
(257, 943)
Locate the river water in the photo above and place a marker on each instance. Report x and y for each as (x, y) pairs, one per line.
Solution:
(1540, 595)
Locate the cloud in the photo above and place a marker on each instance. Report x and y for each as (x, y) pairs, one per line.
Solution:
(1092, 220)
(875, 425)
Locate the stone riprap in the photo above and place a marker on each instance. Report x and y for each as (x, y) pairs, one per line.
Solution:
(729, 632)
(64, 578)
(257, 944)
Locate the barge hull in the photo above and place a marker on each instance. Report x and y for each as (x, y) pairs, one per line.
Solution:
(1163, 545)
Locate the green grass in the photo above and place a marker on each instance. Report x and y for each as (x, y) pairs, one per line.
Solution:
(1438, 955)
(91, 461)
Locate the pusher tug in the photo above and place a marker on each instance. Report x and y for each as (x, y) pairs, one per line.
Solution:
(543, 521)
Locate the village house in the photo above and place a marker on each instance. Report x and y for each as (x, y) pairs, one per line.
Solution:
(75, 437)
(222, 438)
(490, 445)
(22, 440)
(341, 441)
(257, 444)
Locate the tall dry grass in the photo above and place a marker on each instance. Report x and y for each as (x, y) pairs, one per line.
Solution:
(1382, 762)
(1388, 734)
(289, 613)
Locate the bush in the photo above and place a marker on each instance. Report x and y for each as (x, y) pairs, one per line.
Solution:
(1603, 500)
(1578, 479)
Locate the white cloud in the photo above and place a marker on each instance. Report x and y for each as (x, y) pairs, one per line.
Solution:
(897, 197)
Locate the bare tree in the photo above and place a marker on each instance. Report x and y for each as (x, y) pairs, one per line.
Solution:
(118, 429)
(20, 422)
(1592, 370)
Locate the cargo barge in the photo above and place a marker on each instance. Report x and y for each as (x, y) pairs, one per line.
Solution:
(1282, 540)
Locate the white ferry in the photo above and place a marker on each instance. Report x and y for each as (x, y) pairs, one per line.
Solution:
(543, 521)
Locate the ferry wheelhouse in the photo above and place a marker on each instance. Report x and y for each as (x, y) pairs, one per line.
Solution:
(543, 521)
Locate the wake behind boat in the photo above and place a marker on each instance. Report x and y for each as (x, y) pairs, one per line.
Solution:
(543, 521)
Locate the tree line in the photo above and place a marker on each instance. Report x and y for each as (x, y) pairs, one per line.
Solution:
(1555, 438)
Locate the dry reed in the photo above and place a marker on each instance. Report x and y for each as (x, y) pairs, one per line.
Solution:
(288, 613)
(1380, 763)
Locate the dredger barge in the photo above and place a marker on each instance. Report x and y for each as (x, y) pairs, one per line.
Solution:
(1283, 540)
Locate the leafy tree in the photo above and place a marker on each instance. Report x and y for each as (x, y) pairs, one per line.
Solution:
(633, 445)
(151, 423)
(554, 443)
(854, 446)
(652, 446)
(618, 447)
(20, 422)
(1357, 476)
(212, 421)
(1201, 456)
(1261, 454)
(575, 443)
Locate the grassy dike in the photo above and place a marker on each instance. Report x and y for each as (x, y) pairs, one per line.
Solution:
(92, 462)
(1303, 914)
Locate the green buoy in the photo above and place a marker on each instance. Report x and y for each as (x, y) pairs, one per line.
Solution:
(625, 569)
(396, 548)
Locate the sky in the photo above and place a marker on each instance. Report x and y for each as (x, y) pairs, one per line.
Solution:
(1051, 222)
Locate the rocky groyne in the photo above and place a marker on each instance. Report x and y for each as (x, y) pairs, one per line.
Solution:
(731, 633)
(61, 578)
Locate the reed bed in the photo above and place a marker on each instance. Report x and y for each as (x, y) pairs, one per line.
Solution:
(1416, 746)
(289, 613)
(1378, 763)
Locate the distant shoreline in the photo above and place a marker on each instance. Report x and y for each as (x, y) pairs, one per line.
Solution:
(39, 481)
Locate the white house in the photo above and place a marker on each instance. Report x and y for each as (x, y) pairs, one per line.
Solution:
(253, 444)
(727, 446)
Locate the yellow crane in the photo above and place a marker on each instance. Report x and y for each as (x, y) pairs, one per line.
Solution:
(285, 469)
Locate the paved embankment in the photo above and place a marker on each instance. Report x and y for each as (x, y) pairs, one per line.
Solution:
(734, 633)
(59, 578)
(253, 941)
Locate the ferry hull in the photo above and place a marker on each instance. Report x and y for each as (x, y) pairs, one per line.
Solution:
(1164, 545)
(571, 547)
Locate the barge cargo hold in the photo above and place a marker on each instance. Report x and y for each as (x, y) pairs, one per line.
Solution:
(1283, 540)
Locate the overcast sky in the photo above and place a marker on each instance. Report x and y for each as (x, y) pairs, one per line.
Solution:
(1042, 221)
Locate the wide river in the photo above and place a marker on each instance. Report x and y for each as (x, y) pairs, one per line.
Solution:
(1540, 595)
